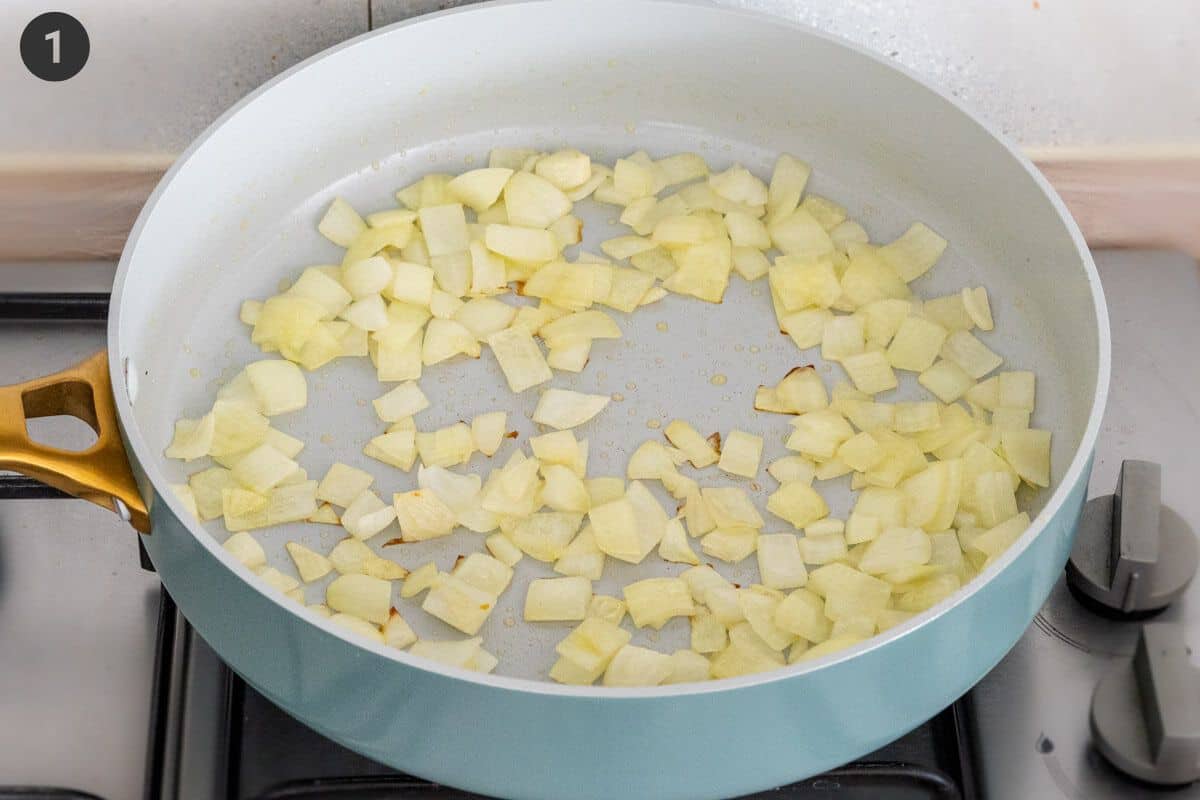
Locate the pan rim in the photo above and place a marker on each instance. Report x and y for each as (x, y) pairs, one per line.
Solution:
(149, 458)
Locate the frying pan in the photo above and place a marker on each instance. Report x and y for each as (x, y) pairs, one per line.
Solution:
(237, 213)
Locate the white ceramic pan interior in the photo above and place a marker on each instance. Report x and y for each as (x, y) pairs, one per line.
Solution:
(239, 217)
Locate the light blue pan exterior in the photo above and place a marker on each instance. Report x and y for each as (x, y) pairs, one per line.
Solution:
(886, 134)
(751, 735)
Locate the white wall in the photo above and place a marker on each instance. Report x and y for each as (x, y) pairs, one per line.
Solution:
(1072, 72)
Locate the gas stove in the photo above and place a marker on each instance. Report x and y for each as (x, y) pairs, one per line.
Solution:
(106, 691)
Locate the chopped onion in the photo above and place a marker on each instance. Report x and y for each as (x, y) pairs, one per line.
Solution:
(562, 408)
(740, 454)
(557, 599)
(419, 285)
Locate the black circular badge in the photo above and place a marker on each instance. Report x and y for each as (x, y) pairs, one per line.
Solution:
(55, 46)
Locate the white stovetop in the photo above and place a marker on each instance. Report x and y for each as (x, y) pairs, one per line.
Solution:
(77, 612)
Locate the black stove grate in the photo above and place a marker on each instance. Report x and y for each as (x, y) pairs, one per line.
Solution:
(54, 306)
(256, 751)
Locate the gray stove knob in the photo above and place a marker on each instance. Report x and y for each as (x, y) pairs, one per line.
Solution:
(1132, 555)
(1146, 712)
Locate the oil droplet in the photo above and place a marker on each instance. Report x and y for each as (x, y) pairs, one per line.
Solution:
(195, 373)
(509, 622)
(631, 385)
(633, 412)
(653, 424)
(753, 348)
(737, 348)
(718, 380)
(362, 403)
(326, 438)
(662, 326)
(630, 127)
(658, 360)
(617, 396)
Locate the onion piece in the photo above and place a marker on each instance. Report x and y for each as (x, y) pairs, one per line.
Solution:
(263, 468)
(447, 446)
(780, 563)
(1029, 453)
(914, 253)
(422, 515)
(343, 483)
(563, 408)
(341, 223)
(484, 572)
(352, 556)
(972, 355)
(557, 599)
(397, 633)
(697, 449)
(546, 535)
(653, 601)
(534, 202)
(502, 548)
(978, 308)
(479, 188)
(798, 503)
(193, 438)
(419, 580)
(916, 344)
(455, 654)
(674, 545)
(396, 447)
(740, 454)
(444, 228)
(367, 515)
(403, 401)
(607, 608)
(787, 185)
(361, 596)
(520, 358)
(582, 557)
(731, 508)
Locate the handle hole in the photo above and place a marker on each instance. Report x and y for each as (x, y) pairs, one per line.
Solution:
(61, 431)
(73, 398)
(62, 415)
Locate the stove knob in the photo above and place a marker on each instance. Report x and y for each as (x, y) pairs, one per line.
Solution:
(1146, 712)
(1132, 555)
